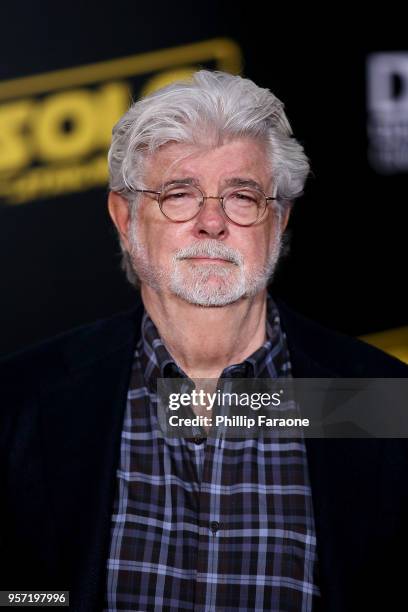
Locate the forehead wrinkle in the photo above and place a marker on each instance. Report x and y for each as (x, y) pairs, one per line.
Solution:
(172, 174)
(155, 165)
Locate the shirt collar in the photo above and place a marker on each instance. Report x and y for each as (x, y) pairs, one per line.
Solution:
(271, 360)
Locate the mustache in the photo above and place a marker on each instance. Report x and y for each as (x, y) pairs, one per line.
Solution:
(213, 249)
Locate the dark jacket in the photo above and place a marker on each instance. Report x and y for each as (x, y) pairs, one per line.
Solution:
(62, 407)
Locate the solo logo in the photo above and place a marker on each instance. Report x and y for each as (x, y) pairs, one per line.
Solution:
(387, 107)
(55, 128)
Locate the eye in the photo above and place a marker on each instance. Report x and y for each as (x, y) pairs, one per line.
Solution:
(179, 194)
(176, 196)
(244, 197)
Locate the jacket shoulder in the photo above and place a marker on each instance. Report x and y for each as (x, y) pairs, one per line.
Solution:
(69, 351)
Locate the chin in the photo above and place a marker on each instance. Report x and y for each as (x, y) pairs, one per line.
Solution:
(214, 291)
(209, 300)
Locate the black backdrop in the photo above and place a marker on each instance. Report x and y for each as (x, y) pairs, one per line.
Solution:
(346, 268)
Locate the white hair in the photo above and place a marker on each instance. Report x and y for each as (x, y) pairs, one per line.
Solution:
(210, 108)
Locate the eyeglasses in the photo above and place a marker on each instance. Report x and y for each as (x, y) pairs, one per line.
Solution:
(182, 202)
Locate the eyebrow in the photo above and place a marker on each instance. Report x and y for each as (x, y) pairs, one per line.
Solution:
(242, 182)
(235, 181)
(186, 181)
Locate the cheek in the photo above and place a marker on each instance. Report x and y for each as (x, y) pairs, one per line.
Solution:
(271, 236)
(254, 246)
(162, 239)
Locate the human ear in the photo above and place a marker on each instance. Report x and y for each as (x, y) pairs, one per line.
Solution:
(119, 211)
(285, 215)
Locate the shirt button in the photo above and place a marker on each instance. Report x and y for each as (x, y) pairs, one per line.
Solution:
(214, 526)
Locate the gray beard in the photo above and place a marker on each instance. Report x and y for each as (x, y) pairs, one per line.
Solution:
(206, 284)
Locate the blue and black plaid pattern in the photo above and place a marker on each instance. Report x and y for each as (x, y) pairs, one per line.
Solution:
(222, 524)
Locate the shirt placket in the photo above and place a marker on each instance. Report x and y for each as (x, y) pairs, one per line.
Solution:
(210, 523)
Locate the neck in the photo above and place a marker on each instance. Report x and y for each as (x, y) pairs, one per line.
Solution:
(205, 340)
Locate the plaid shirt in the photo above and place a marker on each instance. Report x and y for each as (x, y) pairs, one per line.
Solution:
(209, 525)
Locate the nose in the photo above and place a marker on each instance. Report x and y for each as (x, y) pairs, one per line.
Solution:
(211, 221)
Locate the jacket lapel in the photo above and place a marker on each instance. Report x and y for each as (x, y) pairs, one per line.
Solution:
(344, 486)
(82, 417)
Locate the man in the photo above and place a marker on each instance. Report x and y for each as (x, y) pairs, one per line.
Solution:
(203, 175)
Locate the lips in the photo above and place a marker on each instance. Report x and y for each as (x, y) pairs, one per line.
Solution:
(212, 259)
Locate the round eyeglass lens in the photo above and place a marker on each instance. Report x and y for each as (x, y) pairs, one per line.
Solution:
(180, 202)
(244, 206)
